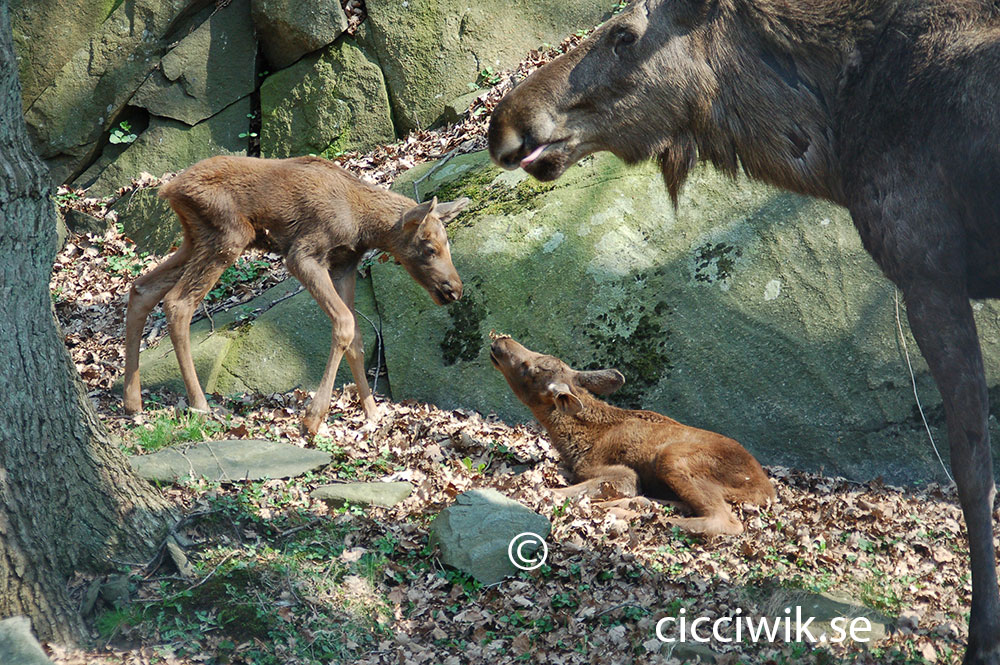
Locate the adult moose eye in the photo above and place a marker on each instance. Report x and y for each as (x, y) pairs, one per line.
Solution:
(621, 41)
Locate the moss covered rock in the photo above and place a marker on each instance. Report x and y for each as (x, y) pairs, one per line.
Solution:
(432, 50)
(284, 346)
(67, 118)
(326, 103)
(289, 29)
(749, 311)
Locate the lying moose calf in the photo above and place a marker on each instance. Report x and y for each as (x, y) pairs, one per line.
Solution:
(629, 449)
(321, 219)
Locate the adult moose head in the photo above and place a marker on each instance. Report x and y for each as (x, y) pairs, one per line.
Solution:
(889, 108)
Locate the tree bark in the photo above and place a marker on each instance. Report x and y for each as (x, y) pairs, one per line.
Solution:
(68, 499)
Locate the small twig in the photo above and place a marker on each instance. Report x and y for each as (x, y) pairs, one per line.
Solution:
(913, 380)
(439, 164)
(614, 608)
(378, 348)
(193, 586)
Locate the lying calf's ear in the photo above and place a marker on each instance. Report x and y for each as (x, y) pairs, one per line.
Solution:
(601, 381)
(566, 402)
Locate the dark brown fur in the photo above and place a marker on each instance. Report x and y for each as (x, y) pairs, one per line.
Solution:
(629, 450)
(890, 108)
(321, 219)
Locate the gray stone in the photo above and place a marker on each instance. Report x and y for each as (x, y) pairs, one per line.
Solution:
(18, 645)
(285, 347)
(475, 532)
(748, 311)
(836, 616)
(367, 494)
(233, 460)
(206, 71)
(324, 104)
(689, 653)
(432, 50)
(81, 222)
(289, 29)
(67, 119)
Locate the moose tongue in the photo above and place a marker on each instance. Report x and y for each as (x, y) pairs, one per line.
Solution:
(534, 155)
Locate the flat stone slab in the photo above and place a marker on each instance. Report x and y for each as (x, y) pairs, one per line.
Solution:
(368, 494)
(18, 645)
(235, 459)
(475, 533)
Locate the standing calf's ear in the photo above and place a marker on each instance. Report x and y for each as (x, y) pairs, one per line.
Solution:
(415, 216)
(600, 381)
(566, 402)
(449, 211)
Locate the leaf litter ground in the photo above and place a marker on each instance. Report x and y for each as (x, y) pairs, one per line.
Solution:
(269, 575)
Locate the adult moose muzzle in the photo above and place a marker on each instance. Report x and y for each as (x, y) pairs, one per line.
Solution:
(889, 108)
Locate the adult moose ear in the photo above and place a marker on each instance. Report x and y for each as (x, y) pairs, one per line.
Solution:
(566, 402)
(415, 216)
(600, 381)
(449, 211)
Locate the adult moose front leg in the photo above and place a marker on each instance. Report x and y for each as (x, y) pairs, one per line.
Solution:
(942, 323)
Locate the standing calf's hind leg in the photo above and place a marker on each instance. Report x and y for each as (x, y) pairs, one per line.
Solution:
(146, 291)
(179, 304)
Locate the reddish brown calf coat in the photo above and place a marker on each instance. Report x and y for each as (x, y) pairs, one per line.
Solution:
(321, 219)
(630, 450)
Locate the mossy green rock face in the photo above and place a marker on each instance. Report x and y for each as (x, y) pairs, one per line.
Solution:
(284, 347)
(67, 118)
(289, 29)
(206, 71)
(752, 312)
(431, 50)
(326, 103)
(46, 35)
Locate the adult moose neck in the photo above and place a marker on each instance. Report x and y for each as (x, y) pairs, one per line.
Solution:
(780, 67)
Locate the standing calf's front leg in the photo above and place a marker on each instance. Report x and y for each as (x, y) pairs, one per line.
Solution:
(316, 279)
(356, 351)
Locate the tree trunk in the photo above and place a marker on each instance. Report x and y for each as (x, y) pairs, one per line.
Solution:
(68, 499)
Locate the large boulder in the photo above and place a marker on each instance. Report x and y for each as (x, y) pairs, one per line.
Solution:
(206, 71)
(46, 35)
(68, 118)
(289, 29)
(331, 101)
(432, 50)
(166, 146)
(749, 311)
(286, 346)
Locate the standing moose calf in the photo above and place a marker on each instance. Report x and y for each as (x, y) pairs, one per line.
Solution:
(632, 450)
(888, 107)
(321, 219)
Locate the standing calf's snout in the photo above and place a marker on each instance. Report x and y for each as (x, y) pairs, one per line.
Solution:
(629, 451)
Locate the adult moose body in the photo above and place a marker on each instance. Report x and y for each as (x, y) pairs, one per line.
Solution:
(890, 108)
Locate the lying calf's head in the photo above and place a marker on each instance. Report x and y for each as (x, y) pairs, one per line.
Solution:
(542, 381)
